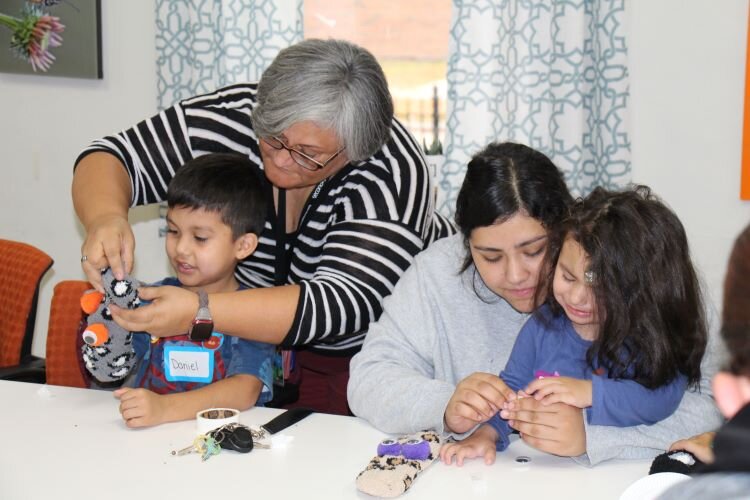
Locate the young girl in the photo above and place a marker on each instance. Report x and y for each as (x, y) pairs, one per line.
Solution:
(622, 332)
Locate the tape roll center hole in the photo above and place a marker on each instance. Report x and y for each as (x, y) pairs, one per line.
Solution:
(217, 414)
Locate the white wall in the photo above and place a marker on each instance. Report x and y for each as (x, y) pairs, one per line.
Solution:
(45, 122)
(687, 76)
(687, 69)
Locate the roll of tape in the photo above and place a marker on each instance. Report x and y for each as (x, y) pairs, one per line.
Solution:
(207, 420)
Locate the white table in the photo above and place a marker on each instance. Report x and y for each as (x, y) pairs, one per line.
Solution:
(64, 443)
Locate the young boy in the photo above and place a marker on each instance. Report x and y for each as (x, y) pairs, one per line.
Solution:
(217, 209)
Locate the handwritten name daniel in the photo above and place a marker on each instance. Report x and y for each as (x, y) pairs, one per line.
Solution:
(180, 365)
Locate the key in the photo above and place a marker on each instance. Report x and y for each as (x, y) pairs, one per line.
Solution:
(184, 451)
(205, 445)
(193, 448)
(209, 447)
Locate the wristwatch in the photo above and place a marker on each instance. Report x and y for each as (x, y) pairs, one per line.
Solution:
(203, 325)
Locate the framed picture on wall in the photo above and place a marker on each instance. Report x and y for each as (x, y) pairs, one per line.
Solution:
(79, 56)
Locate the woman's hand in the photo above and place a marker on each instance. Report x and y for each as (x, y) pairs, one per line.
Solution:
(109, 243)
(101, 198)
(476, 399)
(699, 445)
(557, 428)
(170, 312)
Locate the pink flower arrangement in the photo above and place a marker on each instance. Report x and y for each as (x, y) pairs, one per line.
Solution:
(33, 35)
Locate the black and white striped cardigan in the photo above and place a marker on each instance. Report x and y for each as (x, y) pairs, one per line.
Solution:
(358, 234)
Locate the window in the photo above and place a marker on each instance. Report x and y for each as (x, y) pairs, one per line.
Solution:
(409, 39)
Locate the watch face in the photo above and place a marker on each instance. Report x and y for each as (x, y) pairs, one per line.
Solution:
(201, 329)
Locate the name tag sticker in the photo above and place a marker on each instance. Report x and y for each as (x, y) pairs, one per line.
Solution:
(188, 364)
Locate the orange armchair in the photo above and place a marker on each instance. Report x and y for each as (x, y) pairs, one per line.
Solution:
(64, 341)
(22, 268)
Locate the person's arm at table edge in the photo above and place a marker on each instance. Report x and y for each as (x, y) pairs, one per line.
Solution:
(239, 391)
(390, 385)
(391, 381)
(409, 402)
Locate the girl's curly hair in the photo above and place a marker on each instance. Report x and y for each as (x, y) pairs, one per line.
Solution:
(648, 295)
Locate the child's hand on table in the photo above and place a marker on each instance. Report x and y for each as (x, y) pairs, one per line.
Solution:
(479, 444)
(141, 407)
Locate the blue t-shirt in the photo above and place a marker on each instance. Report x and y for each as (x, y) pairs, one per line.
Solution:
(178, 364)
(548, 345)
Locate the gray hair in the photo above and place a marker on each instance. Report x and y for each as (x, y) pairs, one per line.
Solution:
(334, 83)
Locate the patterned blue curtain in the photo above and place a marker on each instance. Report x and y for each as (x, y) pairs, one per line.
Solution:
(205, 44)
(548, 73)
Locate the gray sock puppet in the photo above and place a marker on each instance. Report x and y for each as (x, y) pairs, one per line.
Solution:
(108, 352)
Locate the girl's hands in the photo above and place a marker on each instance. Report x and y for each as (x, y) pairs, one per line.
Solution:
(571, 391)
(109, 243)
(170, 312)
(476, 399)
(479, 444)
(556, 428)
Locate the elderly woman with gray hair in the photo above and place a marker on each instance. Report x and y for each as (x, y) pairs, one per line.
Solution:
(351, 196)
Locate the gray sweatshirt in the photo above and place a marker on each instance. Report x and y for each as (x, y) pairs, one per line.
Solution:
(439, 326)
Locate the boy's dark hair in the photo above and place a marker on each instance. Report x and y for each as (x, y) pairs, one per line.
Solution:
(504, 179)
(225, 183)
(645, 287)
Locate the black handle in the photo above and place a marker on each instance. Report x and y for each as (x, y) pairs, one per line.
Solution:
(286, 419)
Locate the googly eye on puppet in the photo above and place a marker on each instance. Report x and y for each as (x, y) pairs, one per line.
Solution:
(389, 447)
(411, 448)
(398, 463)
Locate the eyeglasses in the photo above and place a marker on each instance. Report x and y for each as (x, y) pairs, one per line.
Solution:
(299, 157)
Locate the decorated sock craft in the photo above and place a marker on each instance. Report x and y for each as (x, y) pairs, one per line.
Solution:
(398, 463)
(108, 352)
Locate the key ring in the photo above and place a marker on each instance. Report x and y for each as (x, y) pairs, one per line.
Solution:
(219, 433)
(227, 437)
(232, 426)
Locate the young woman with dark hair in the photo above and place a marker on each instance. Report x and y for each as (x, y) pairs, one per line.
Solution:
(622, 330)
(431, 360)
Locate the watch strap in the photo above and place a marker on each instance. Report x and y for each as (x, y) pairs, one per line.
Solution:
(202, 299)
(202, 325)
(204, 313)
